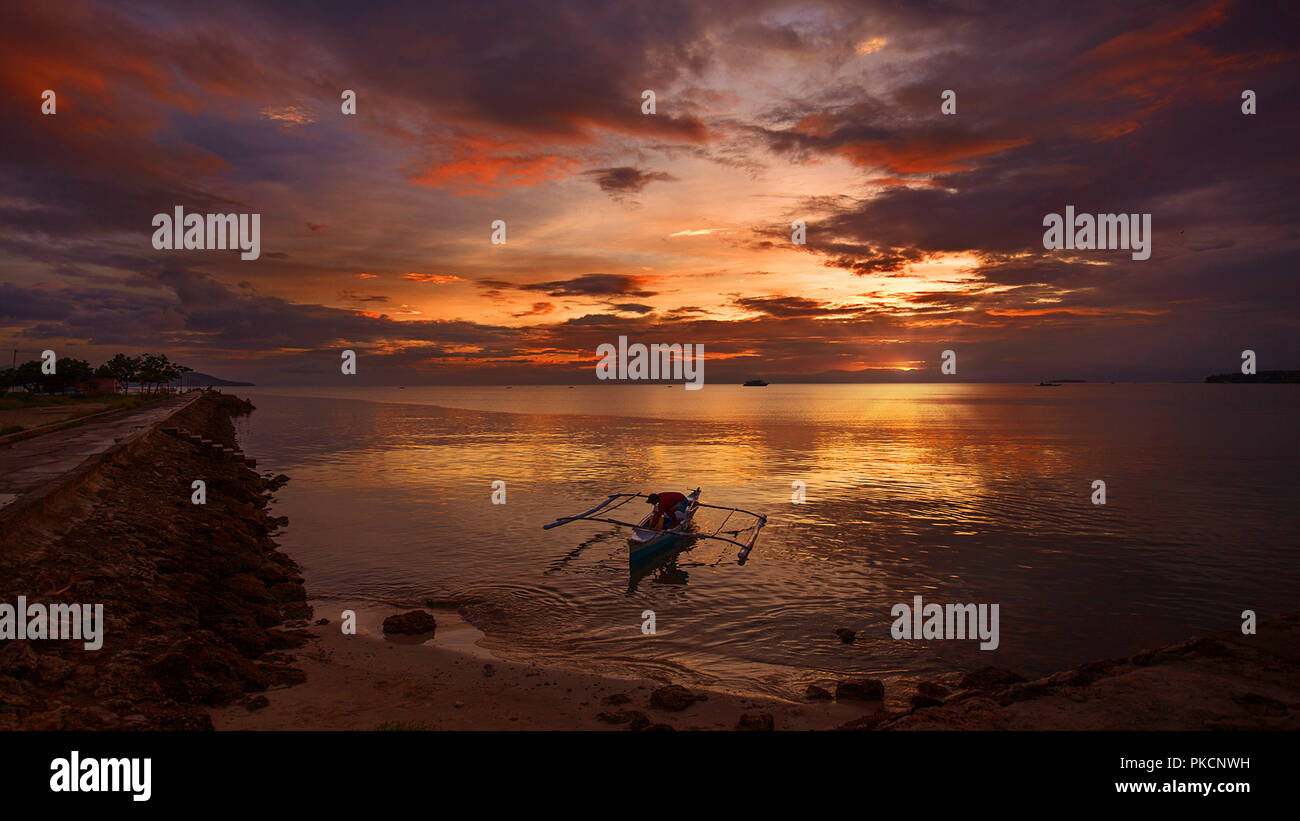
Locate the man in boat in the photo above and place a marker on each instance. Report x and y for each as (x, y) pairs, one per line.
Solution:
(668, 510)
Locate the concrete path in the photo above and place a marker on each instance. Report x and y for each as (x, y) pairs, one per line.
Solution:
(30, 464)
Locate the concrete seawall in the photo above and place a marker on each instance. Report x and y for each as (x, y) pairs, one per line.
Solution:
(38, 470)
(193, 596)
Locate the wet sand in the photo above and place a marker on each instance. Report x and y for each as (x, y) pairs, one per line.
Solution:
(367, 681)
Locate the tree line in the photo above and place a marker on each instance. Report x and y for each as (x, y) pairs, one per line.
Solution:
(149, 371)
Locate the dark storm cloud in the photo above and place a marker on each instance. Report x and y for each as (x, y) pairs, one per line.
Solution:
(626, 179)
(25, 304)
(632, 308)
(196, 312)
(1108, 107)
(787, 306)
(589, 285)
(1121, 114)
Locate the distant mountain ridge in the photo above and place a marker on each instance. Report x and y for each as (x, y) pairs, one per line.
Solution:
(1271, 377)
(207, 380)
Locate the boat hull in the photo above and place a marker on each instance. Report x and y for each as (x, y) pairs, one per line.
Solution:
(644, 545)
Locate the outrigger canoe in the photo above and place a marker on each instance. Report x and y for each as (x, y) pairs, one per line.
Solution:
(646, 542)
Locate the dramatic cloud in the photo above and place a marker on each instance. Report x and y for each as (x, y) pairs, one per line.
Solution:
(626, 179)
(592, 285)
(923, 229)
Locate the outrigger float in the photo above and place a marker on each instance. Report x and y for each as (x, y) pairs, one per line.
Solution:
(646, 542)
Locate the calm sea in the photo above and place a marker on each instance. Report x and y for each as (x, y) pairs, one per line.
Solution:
(958, 493)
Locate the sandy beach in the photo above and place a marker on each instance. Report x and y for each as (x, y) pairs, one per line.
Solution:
(446, 682)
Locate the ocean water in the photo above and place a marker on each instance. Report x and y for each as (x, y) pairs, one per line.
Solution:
(962, 493)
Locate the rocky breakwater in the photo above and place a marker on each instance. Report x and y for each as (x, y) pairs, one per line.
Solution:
(197, 601)
(1225, 681)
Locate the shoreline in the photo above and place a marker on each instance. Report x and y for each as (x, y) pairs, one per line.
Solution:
(443, 681)
(209, 627)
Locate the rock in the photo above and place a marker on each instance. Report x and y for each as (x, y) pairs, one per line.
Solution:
(246, 585)
(17, 659)
(815, 693)
(846, 635)
(278, 481)
(52, 669)
(930, 689)
(622, 717)
(759, 721)
(986, 677)
(673, 698)
(919, 701)
(658, 728)
(287, 639)
(1260, 703)
(1079, 677)
(639, 721)
(289, 592)
(870, 722)
(296, 610)
(258, 702)
(322, 622)
(869, 689)
(413, 623)
(616, 699)
(171, 667)
(489, 671)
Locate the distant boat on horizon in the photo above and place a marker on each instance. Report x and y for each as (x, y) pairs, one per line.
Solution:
(755, 383)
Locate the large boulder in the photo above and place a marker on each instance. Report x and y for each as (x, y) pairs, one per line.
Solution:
(414, 623)
(868, 689)
(674, 697)
(931, 689)
(759, 721)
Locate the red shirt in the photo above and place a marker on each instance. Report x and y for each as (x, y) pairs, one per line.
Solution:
(669, 502)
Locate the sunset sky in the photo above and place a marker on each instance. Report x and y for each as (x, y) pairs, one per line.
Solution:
(924, 230)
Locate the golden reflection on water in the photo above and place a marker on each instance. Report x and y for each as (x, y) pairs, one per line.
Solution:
(962, 493)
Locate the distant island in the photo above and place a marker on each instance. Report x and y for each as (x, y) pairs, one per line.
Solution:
(1267, 377)
(196, 379)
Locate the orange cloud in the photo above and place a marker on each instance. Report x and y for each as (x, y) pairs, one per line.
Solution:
(436, 279)
(926, 155)
(479, 175)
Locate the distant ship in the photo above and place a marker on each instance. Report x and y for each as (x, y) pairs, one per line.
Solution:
(755, 383)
